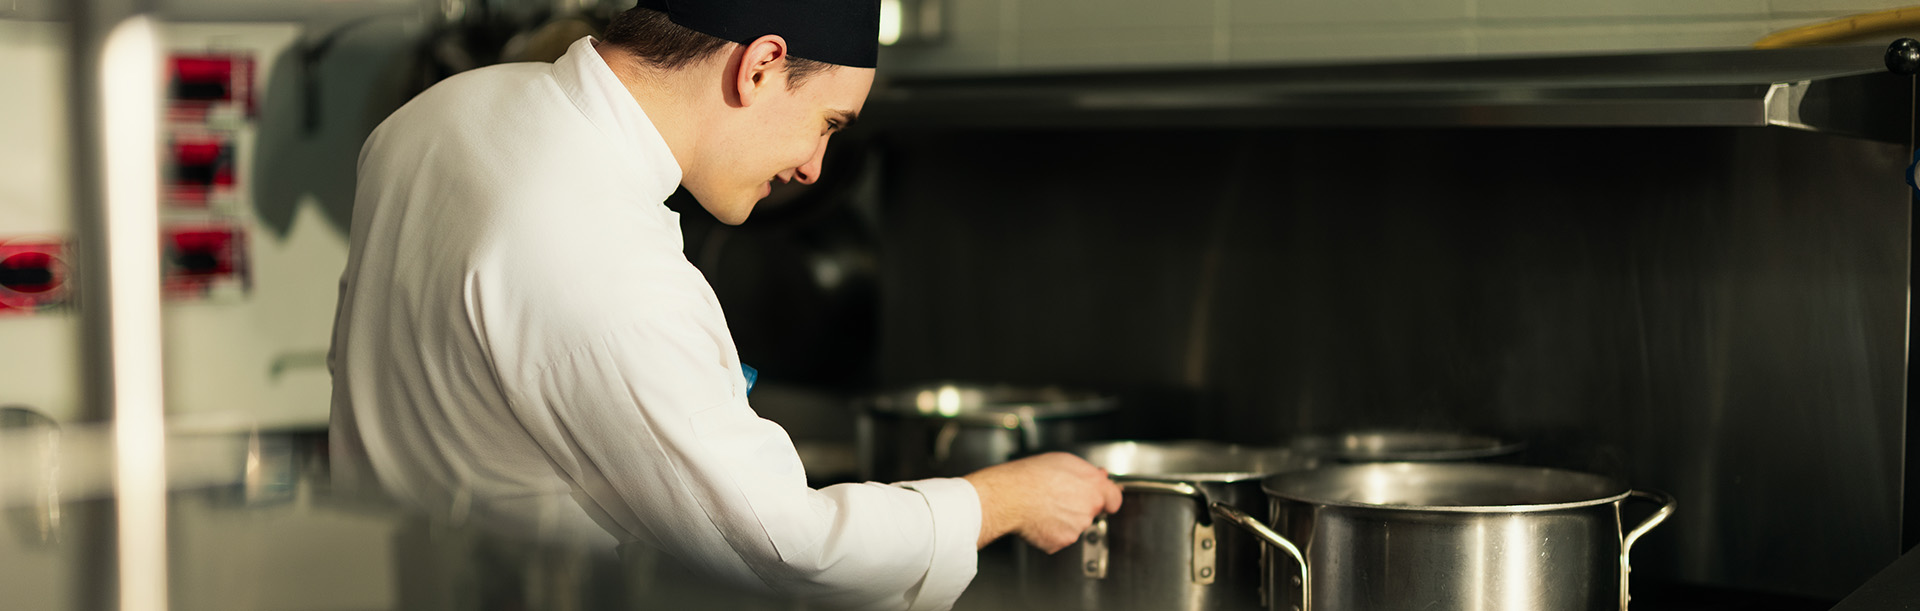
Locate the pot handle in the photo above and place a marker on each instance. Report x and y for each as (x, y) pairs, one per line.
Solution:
(1666, 509)
(1174, 488)
(1626, 547)
(1247, 522)
(1028, 432)
(1204, 544)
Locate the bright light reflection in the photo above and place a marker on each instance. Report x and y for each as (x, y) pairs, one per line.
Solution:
(1517, 580)
(130, 111)
(1377, 487)
(1477, 549)
(947, 401)
(889, 21)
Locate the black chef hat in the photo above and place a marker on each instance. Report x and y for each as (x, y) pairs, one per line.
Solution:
(841, 32)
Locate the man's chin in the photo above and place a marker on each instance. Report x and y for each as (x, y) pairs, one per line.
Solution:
(733, 214)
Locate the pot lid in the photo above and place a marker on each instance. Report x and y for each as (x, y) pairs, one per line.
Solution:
(1448, 487)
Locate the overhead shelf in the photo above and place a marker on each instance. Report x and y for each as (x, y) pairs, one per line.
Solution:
(1844, 90)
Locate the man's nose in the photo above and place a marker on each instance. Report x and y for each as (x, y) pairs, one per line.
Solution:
(810, 171)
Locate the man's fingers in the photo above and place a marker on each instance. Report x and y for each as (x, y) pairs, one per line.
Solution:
(1065, 539)
(1058, 545)
(1113, 497)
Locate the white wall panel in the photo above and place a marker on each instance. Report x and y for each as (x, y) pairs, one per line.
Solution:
(38, 362)
(221, 354)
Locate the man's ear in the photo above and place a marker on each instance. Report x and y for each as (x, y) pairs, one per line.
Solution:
(762, 63)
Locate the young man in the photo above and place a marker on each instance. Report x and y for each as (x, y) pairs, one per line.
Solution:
(520, 341)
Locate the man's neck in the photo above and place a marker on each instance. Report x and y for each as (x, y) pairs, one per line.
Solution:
(663, 95)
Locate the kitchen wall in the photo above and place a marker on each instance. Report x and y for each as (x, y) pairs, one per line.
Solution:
(243, 358)
(1052, 35)
(257, 360)
(1718, 313)
(38, 354)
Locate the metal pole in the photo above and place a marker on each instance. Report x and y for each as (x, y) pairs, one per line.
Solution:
(115, 86)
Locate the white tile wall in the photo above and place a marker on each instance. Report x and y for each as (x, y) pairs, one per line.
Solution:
(1017, 35)
(1191, 46)
(1295, 44)
(1639, 9)
(1101, 14)
(1301, 12)
(1615, 37)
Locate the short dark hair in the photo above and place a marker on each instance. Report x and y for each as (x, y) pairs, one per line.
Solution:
(665, 45)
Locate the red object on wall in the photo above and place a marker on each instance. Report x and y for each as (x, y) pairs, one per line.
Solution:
(33, 276)
(200, 168)
(197, 83)
(203, 258)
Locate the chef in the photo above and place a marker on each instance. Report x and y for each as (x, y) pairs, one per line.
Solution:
(521, 343)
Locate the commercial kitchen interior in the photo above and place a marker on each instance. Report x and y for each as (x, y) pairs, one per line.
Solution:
(1612, 231)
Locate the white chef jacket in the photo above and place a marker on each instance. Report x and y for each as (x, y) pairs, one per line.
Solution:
(521, 342)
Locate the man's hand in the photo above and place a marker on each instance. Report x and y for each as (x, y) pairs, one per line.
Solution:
(1047, 499)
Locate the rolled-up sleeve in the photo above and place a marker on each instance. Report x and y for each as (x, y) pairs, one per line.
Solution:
(956, 532)
(650, 427)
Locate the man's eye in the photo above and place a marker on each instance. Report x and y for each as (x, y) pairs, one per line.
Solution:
(833, 125)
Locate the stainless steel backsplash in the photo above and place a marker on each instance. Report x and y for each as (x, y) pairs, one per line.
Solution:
(1720, 313)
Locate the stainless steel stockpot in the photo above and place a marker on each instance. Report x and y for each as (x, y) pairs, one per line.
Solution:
(1162, 550)
(949, 430)
(1446, 536)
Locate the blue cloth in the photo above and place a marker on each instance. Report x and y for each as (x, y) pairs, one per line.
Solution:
(1911, 167)
(752, 374)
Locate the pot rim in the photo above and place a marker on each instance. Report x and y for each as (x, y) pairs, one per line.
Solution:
(1619, 491)
(999, 405)
(1290, 459)
(1407, 445)
(1188, 478)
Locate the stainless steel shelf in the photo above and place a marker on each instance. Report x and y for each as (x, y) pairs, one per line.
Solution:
(1844, 90)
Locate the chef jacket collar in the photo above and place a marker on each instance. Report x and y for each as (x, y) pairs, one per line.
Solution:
(591, 84)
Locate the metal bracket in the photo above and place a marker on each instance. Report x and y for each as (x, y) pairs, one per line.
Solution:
(1782, 104)
(1093, 549)
(1204, 550)
(1266, 575)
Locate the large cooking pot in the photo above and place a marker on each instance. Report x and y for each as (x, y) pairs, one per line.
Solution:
(1162, 550)
(1446, 536)
(949, 430)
